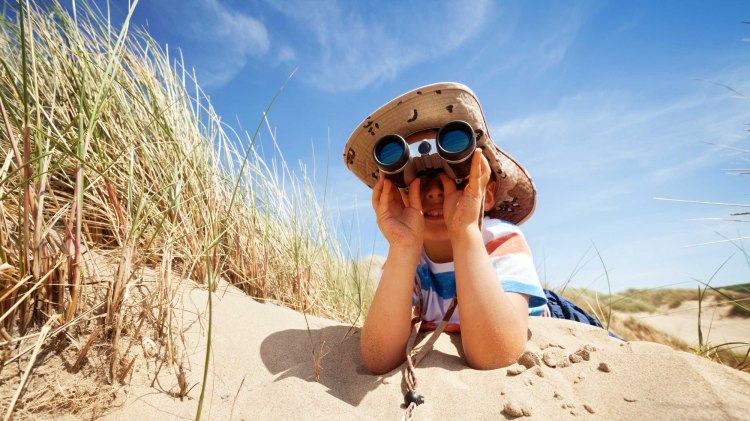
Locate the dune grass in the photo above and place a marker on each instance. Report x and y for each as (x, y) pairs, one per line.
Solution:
(625, 322)
(615, 312)
(651, 300)
(112, 153)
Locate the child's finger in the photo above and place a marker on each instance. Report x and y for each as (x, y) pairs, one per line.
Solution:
(485, 169)
(449, 186)
(485, 164)
(415, 197)
(377, 191)
(476, 169)
(404, 198)
(385, 198)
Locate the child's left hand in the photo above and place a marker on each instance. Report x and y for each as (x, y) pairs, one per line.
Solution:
(463, 208)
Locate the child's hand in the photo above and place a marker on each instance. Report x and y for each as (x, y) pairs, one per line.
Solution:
(463, 208)
(399, 216)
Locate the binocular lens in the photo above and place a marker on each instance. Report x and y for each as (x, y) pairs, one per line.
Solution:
(389, 152)
(455, 140)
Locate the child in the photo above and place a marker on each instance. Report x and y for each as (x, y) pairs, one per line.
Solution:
(448, 239)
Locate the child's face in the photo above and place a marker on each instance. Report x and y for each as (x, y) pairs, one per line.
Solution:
(432, 197)
(431, 190)
(431, 193)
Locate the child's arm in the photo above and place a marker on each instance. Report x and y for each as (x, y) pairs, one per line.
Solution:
(387, 326)
(493, 322)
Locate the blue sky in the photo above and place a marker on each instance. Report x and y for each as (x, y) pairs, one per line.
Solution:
(607, 104)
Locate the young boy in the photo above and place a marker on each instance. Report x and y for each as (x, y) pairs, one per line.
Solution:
(448, 239)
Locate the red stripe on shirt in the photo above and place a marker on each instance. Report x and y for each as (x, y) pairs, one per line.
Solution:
(508, 244)
(450, 327)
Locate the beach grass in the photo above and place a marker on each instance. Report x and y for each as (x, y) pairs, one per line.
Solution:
(650, 300)
(114, 155)
(627, 310)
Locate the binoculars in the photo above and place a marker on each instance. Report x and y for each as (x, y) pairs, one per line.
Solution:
(450, 152)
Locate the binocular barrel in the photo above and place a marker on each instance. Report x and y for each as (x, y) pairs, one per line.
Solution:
(450, 153)
(392, 156)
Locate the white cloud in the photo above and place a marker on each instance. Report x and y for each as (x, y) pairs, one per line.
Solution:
(221, 39)
(357, 47)
(286, 54)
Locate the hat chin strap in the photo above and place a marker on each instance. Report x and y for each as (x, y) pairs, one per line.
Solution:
(411, 397)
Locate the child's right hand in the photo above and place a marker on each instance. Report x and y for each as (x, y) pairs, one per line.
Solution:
(399, 216)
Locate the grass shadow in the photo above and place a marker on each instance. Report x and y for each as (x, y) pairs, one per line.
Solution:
(333, 359)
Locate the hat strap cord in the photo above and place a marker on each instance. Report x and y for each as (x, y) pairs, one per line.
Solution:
(411, 398)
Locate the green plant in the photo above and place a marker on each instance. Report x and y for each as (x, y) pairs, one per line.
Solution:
(723, 352)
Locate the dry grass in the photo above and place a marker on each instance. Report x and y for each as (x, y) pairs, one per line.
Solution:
(634, 330)
(665, 300)
(654, 299)
(114, 158)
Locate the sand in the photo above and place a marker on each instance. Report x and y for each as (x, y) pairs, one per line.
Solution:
(262, 367)
(717, 326)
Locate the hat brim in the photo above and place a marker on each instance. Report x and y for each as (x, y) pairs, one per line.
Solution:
(429, 107)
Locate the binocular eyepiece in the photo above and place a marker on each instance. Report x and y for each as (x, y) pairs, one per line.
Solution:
(450, 152)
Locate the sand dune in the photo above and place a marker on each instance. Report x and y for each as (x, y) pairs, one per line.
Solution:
(717, 327)
(262, 367)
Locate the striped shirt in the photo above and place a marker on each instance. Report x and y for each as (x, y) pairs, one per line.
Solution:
(510, 256)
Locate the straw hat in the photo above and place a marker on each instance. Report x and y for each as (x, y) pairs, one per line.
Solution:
(429, 107)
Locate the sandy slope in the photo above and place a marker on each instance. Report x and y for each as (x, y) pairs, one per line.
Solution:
(682, 322)
(262, 368)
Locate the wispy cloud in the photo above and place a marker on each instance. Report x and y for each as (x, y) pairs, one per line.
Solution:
(617, 133)
(599, 158)
(221, 39)
(553, 47)
(547, 44)
(286, 54)
(355, 47)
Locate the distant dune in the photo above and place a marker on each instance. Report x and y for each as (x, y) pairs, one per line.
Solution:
(670, 316)
(716, 324)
